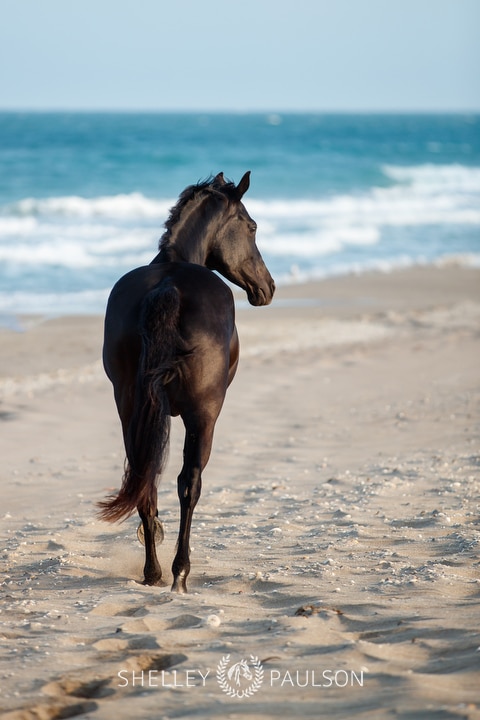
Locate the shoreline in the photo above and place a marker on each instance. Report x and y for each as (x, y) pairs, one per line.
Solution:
(364, 298)
(12, 320)
(337, 528)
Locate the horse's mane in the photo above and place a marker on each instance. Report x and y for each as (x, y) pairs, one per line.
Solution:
(226, 187)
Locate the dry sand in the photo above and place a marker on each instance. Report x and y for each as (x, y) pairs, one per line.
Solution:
(335, 546)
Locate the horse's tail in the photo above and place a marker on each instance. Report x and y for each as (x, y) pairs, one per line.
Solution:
(146, 440)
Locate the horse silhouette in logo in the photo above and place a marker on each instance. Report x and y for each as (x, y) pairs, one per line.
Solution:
(238, 670)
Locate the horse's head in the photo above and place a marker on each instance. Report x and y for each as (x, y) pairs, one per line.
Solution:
(210, 226)
(245, 670)
(238, 670)
(233, 251)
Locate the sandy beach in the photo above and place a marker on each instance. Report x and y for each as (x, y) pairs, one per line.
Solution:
(335, 548)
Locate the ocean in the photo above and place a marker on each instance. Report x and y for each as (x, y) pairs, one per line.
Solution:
(83, 196)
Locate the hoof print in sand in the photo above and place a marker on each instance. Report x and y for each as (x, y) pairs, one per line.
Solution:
(52, 712)
(99, 686)
(95, 688)
(308, 610)
(154, 662)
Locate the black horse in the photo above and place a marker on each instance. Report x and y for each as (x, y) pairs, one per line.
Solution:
(171, 348)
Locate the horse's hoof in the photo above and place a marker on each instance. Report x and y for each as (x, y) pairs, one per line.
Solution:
(158, 532)
(180, 585)
(154, 581)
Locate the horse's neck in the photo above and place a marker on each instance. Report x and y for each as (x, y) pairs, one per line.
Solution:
(190, 249)
(188, 241)
(173, 252)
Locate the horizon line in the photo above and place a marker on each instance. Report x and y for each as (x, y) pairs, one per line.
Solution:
(237, 111)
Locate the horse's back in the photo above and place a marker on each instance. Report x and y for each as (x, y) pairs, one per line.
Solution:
(204, 297)
(206, 311)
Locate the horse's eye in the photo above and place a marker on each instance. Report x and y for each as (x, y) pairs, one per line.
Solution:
(251, 224)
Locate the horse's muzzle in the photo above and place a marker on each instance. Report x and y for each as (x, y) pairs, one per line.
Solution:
(261, 294)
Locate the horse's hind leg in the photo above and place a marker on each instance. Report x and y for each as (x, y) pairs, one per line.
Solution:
(152, 571)
(147, 508)
(198, 443)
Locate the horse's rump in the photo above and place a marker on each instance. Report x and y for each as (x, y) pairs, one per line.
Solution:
(147, 435)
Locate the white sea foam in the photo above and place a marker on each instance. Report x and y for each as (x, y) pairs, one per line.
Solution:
(53, 303)
(67, 248)
(429, 178)
(423, 195)
(121, 207)
(17, 226)
(301, 237)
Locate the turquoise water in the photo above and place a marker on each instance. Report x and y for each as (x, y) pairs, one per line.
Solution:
(83, 197)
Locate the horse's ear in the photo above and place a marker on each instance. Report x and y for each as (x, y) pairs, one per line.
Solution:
(243, 185)
(219, 179)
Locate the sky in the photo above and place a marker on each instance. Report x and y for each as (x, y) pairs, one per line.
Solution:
(248, 55)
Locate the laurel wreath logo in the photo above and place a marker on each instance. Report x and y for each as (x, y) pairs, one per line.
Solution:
(227, 676)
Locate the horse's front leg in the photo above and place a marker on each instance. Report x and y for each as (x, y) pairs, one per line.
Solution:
(198, 443)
